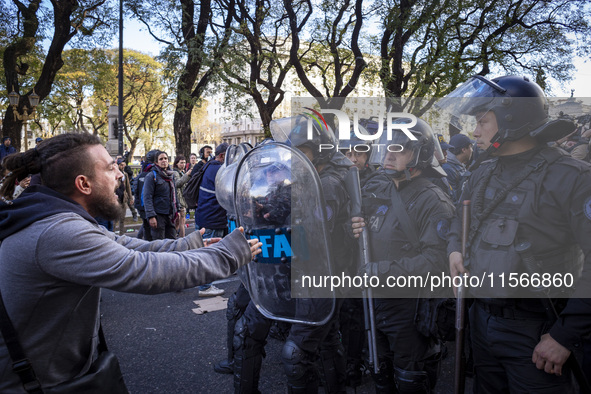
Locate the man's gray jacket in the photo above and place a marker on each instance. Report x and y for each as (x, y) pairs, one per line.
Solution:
(53, 267)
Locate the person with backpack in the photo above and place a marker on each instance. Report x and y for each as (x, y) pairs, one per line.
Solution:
(159, 196)
(138, 187)
(209, 214)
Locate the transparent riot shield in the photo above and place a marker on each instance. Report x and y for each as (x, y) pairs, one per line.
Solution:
(278, 199)
(225, 180)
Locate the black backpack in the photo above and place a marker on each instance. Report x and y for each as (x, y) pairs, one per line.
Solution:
(191, 192)
(138, 188)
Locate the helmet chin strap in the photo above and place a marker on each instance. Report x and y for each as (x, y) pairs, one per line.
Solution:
(495, 143)
(407, 173)
(396, 174)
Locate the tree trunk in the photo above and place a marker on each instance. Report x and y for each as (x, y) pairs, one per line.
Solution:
(182, 128)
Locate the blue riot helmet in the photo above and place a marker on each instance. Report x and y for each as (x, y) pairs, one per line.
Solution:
(418, 152)
(303, 132)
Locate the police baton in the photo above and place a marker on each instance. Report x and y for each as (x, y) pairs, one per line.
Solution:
(532, 267)
(460, 362)
(353, 187)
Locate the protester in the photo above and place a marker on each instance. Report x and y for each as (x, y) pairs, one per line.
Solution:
(6, 148)
(138, 188)
(209, 214)
(192, 162)
(124, 194)
(159, 196)
(54, 259)
(180, 180)
(205, 153)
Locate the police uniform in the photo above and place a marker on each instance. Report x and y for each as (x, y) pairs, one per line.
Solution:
(551, 209)
(406, 356)
(305, 341)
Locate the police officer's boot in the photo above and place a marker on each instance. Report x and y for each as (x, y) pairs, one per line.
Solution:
(384, 379)
(412, 382)
(302, 377)
(248, 358)
(233, 313)
(334, 366)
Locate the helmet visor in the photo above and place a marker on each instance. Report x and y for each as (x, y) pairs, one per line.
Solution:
(399, 143)
(477, 95)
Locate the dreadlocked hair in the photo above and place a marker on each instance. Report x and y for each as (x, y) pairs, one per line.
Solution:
(59, 160)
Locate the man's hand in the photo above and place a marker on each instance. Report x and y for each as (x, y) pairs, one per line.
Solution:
(550, 356)
(456, 267)
(357, 224)
(255, 245)
(153, 222)
(208, 241)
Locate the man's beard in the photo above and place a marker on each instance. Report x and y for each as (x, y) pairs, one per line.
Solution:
(104, 207)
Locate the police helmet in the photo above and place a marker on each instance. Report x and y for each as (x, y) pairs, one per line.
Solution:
(422, 146)
(294, 132)
(350, 144)
(520, 105)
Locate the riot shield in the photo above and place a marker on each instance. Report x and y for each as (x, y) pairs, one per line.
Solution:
(278, 199)
(225, 180)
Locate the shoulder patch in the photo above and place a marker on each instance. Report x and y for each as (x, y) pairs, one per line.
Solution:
(329, 213)
(587, 208)
(443, 228)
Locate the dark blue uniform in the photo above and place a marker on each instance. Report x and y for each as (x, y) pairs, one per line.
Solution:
(551, 209)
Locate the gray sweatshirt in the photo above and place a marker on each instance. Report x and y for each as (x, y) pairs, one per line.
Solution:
(51, 273)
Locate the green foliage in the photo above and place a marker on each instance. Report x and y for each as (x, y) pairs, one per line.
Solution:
(428, 48)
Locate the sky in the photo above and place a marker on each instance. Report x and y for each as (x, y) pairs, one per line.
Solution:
(136, 37)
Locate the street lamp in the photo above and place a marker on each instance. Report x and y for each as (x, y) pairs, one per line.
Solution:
(14, 98)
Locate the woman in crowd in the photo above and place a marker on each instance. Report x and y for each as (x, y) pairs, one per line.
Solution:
(180, 180)
(159, 196)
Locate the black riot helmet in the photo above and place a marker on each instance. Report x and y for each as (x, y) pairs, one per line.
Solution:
(301, 131)
(519, 105)
(423, 147)
(356, 144)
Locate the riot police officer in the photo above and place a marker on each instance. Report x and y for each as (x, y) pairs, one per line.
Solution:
(407, 219)
(359, 151)
(528, 203)
(306, 343)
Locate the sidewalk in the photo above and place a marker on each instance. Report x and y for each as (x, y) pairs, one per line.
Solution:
(131, 227)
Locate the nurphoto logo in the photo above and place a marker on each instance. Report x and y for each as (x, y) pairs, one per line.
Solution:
(344, 129)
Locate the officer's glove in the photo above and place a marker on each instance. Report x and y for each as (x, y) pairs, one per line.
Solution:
(376, 268)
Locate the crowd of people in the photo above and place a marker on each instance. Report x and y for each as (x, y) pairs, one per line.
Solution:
(528, 180)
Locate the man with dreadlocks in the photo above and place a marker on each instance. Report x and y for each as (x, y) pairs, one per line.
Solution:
(54, 259)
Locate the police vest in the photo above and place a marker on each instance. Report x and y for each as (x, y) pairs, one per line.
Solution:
(495, 235)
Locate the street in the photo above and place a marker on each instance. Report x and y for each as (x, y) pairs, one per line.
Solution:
(164, 347)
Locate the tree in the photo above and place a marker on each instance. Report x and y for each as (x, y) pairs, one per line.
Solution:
(332, 53)
(195, 35)
(428, 48)
(82, 85)
(30, 22)
(88, 80)
(261, 42)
